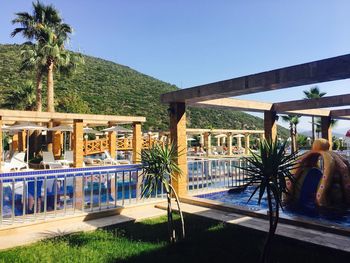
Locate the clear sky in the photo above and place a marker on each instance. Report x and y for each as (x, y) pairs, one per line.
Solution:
(188, 43)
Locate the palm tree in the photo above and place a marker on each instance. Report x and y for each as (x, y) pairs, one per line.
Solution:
(159, 166)
(21, 97)
(269, 173)
(313, 93)
(31, 26)
(293, 122)
(32, 60)
(319, 125)
(47, 28)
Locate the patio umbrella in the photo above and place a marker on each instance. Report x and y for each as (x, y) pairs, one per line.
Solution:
(118, 129)
(27, 126)
(90, 130)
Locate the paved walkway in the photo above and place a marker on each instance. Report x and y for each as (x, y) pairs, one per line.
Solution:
(32, 233)
(307, 235)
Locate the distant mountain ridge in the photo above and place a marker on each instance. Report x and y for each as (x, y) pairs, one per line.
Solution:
(111, 88)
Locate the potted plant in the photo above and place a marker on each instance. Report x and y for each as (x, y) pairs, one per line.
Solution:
(159, 166)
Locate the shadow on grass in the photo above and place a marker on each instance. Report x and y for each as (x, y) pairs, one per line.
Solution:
(211, 241)
(207, 241)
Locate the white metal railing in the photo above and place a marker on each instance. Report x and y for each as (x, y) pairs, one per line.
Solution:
(207, 174)
(30, 196)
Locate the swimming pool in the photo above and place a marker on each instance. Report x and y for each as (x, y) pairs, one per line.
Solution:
(339, 217)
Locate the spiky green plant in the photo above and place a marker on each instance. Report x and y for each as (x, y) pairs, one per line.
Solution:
(268, 171)
(159, 167)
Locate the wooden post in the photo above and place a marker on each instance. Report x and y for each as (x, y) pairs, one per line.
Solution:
(223, 140)
(270, 125)
(49, 137)
(21, 141)
(57, 143)
(201, 140)
(239, 143)
(1, 146)
(218, 139)
(78, 156)
(136, 142)
(326, 130)
(246, 144)
(179, 139)
(112, 140)
(229, 144)
(207, 142)
(15, 144)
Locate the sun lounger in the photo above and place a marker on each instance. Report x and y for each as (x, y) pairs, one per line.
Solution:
(68, 158)
(49, 161)
(109, 160)
(16, 163)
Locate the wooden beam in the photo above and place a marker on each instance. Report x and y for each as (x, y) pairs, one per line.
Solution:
(220, 131)
(253, 106)
(324, 102)
(36, 116)
(270, 125)
(326, 130)
(340, 113)
(234, 104)
(330, 69)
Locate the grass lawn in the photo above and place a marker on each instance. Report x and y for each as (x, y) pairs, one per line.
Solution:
(207, 241)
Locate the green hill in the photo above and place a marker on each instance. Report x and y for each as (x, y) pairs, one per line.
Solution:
(104, 87)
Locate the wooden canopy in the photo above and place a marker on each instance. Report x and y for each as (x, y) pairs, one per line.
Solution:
(219, 95)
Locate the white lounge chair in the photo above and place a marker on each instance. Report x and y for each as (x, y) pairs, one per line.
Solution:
(49, 161)
(68, 158)
(16, 163)
(111, 161)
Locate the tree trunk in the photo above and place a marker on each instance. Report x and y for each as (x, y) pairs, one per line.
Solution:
(292, 144)
(180, 212)
(39, 90)
(313, 128)
(171, 229)
(50, 88)
(36, 136)
(273, 221)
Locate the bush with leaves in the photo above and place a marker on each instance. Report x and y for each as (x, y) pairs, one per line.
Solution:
(268, 172)
(159, 167)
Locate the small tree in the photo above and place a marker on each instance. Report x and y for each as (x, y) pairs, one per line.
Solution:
(159, 166)
(269, 171)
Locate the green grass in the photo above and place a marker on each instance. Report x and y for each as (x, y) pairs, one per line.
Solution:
(207, 241)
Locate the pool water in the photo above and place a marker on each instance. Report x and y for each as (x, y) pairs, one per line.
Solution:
(339, 216)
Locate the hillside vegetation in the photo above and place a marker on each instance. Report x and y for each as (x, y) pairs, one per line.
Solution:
(104, 87)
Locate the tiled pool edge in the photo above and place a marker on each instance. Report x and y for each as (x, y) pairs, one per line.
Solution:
(207, 203)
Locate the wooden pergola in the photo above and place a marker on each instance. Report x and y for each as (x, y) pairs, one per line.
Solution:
(78, 121)
(227, 134)
(219, 95)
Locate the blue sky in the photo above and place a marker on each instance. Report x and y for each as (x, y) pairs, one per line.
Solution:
(188, 43)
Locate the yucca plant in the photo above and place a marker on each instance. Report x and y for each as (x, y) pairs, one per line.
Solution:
(159, 166)
(268, 171)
